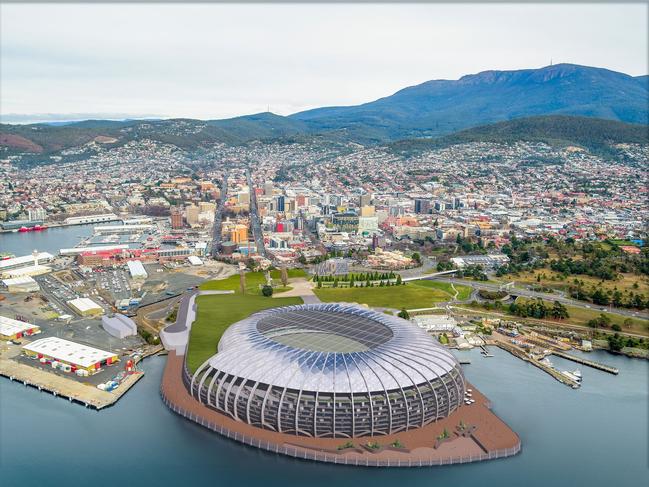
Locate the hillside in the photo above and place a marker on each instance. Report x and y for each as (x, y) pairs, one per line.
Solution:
(440, 107)
(429, 110)
(557, 130)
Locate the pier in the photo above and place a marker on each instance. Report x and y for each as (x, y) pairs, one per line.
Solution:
(82, 393)
(515, 351)
(589, 363)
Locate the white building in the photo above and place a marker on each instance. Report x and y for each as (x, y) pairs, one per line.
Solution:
(136, 269)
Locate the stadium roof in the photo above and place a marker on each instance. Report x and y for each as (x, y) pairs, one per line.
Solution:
(331, 348)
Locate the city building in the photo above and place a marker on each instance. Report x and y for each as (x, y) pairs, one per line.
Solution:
(191, 215)
(422, 206)
(11, 329)
(330, 370)
(176, 219)
(69, 355)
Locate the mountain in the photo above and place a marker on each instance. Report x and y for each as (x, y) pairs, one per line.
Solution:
(557, 130)
(440, 107)
(432, 109)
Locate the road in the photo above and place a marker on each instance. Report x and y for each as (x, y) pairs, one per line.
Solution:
(548, 297)
(254, 217)
(218, 217)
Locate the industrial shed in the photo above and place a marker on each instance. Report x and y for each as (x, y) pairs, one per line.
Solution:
(73, 356)
(11, 329)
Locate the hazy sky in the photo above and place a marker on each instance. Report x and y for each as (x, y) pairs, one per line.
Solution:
(216, 61)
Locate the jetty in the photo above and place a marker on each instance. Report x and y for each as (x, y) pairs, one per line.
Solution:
(517, 352)
(584, 361)
(73, 390)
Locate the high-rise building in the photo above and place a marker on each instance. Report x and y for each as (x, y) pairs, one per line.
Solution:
(367, 211)
(268, 189)
(422, 205)
(365, 200)
(280, 203)
(191, 215)
(440, 205)
(176, 219)
(36, 214)
(239, 234)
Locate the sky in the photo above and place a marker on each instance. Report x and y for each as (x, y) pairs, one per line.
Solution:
(209, 61)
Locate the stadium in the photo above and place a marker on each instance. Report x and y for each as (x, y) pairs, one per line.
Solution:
(329, 371)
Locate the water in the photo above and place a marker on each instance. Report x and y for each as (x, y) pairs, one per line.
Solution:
(594, 436)
(50, 240)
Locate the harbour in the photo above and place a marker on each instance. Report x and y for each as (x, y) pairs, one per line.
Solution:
(520, 395)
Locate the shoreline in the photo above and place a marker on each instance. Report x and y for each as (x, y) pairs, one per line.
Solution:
(490, 438)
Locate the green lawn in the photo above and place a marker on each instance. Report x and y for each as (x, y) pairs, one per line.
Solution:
(464, 292)
(410, 296)
(215, 313)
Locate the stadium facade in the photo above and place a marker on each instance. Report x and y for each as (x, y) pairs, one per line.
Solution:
(329, 371)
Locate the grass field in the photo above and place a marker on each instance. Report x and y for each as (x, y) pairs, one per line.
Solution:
(418, 294)
(215, 313)
(551, 279)
(581, 316)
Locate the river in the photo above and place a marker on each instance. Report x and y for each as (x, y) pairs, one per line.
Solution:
(50, 240)
(593, 436)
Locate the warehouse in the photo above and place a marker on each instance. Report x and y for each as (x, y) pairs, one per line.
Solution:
(69, 356)
(13, 329)
(32, 270)
(24, 284)
(136, 269)
(119, 326)
(85, 307)
(33, 259)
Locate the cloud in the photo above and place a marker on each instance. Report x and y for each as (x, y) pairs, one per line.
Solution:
(221, 60)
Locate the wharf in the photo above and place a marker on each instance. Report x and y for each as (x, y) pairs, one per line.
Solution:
(589, 363)
(82, 393)
(515, 351)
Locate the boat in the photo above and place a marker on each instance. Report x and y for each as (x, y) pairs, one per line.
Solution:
(546, 361)
(571, 376)
(24, 229)
(577, 373)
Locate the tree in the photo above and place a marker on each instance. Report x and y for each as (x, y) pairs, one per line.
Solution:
(242, 282)
(416, 257)
(267, 291)
(404, 314)
(600, 297)
(284, 276)
(627, 323)
(398, 279)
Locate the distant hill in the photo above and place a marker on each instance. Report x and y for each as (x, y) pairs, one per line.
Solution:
(556, 130)
(440, 107)
(429, 110)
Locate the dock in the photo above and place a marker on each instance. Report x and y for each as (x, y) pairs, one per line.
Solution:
(589, 363)
(515, 351)
(82, 393)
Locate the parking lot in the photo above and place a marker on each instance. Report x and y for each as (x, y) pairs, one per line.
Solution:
(115, 282)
